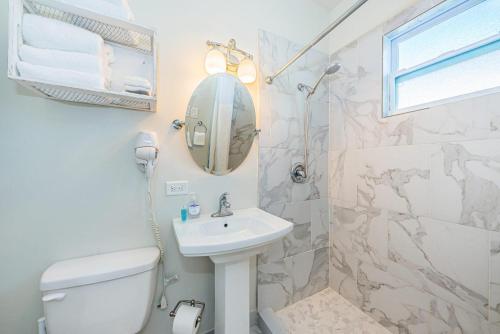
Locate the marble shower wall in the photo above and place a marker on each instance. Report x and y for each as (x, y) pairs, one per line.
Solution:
(297, 266)
(414, 200)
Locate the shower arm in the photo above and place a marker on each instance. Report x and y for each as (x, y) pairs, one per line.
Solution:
(349, 12)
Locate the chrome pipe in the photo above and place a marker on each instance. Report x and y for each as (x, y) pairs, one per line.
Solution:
(300, 171)
(349, 12)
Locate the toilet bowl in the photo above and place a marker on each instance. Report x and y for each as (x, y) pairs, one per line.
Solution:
(103, 294)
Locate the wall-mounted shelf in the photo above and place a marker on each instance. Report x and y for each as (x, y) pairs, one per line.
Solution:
(134, 46)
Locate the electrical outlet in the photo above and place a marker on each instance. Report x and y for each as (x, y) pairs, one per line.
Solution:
(176, 188)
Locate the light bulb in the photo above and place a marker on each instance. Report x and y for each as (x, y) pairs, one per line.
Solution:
(215, 62)
(247, 71)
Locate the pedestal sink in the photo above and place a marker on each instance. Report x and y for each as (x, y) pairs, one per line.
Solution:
(230, 242)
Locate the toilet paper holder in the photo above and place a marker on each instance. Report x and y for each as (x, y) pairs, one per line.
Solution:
(193, 303)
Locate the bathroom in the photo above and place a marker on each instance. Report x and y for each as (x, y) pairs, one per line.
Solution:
(391, 225)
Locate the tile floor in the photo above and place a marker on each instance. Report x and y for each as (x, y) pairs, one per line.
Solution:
(328, 313)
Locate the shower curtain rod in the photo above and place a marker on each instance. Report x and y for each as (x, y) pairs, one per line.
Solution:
(328, 30)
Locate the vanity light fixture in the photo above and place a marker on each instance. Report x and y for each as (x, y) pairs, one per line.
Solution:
(228, 58)
(215, 62)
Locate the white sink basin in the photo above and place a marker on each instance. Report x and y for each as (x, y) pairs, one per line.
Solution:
(229, 242)
(243, 234)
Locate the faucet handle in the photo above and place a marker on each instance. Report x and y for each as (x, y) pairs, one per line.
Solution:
(224, 206)
(224, 201)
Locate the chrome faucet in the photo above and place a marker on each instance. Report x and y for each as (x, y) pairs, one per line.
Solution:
(224, 206)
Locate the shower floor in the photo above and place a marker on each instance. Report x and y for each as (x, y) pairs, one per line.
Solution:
(327, 312)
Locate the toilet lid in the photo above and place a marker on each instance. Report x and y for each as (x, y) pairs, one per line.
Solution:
(99, 268)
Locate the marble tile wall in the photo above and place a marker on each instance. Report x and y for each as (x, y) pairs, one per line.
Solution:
(297, 266)
(414, 201)
(495, 279)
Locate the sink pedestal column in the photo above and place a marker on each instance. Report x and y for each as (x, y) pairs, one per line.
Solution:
(232, 290)
(232, 297)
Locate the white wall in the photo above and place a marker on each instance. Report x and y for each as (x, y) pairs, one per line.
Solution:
(68, 183)
(370, 15)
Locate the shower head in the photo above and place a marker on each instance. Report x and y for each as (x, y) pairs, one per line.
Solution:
(333, 68)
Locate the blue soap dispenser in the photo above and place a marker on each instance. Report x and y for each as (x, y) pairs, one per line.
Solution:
(184, 214)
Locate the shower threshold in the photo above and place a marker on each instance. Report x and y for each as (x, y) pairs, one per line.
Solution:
(326, 312)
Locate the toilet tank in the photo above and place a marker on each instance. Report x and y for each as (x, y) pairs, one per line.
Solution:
(102, 294)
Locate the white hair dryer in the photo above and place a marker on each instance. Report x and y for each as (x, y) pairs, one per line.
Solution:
(146, 157)
(146, 152)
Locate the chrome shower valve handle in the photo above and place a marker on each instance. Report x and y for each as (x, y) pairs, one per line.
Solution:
(299, 173)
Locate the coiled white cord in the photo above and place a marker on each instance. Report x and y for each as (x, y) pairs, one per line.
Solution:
(156, 233)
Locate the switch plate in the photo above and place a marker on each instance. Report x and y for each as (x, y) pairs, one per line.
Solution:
(176, 188)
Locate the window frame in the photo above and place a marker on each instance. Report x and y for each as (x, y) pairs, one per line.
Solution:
(427, 20)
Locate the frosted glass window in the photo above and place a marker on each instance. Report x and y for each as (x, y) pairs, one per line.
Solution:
(452, 51)
(466, 77)
(468, 27)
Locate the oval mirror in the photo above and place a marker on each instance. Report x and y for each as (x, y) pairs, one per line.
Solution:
(220, 124)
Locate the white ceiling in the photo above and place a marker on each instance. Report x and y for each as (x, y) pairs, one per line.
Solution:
(330, 4)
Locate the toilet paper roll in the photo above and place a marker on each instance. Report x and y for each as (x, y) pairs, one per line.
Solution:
(185, 320)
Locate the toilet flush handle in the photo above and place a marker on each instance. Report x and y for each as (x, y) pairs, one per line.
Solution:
(54, 297)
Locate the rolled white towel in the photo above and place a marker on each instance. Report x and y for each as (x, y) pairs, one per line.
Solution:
(137, 82)
(76, 61)
(60, 76)
(45, 33)
(103, 7)
(127, 86)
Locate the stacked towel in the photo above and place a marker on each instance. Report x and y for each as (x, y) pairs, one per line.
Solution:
(45, 33)
(137, 85)
(119, 9)
(59, 52)
(61, 76)
(75, 61)
(137, 82)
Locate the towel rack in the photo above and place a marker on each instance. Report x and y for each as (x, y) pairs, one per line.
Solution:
(128, 38)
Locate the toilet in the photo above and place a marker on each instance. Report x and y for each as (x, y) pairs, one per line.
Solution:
(102, 294)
